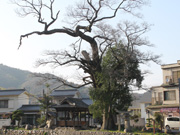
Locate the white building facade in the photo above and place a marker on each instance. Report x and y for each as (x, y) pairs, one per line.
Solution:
(11, 100)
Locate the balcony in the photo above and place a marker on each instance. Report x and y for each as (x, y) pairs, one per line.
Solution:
(157, 101)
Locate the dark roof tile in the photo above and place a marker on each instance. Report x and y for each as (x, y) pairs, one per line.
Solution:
(30, 108)
(64, 92)
(11, 92)
(71, 103)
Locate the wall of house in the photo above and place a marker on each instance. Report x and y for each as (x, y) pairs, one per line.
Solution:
(176, 89)
(5, 122)
(168, 72)
(156, 98)
(12, 103)
(143, 112)
(15, 102)
(23, 99)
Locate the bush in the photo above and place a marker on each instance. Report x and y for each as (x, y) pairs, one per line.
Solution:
(41, 120)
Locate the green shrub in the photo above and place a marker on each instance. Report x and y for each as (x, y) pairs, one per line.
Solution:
(41, 120)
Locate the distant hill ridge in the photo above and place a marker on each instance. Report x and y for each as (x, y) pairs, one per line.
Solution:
(13, 78)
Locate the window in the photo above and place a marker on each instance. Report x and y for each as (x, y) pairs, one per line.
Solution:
(176, 75)
(3, 103)
(169, 95)
(155, 96)
(173, 119)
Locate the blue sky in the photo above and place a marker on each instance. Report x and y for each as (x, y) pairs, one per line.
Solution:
(164, 34)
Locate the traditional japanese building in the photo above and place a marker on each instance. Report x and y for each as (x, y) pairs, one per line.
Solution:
(72, 112)
(71, 108)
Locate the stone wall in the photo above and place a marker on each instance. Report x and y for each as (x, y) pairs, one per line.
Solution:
(64, 131)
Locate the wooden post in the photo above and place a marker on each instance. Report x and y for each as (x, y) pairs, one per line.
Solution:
(88, 118)
(65, 120)
(73, 119)
(56, 119)
(80, 119)
(85, 116)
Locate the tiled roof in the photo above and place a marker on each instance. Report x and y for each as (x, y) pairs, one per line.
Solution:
(68, 92)
(11, 92)
(72, 102)
(88, 101)
(30, 108)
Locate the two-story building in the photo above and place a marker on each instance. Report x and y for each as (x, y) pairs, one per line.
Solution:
(165, 98)
(11, 100)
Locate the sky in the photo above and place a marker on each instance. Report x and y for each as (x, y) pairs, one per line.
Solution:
(164, 15)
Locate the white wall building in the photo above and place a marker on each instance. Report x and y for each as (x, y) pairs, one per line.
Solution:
(11, 100)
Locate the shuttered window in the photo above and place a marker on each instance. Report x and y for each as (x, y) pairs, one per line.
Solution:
(176, 75)
(3, 103)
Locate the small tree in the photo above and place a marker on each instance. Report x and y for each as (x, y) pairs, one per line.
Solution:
(158, 119)
(45, 103)
(41, 120)
(17, 115)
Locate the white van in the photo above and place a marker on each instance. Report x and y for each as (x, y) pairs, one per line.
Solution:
(172, 122)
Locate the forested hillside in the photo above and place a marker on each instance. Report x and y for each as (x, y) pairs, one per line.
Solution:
(12, 78)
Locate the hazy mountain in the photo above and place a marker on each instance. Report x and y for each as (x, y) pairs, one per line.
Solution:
(12, 78)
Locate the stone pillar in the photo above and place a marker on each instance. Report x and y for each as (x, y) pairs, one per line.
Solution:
(127, 122)
(119, 122)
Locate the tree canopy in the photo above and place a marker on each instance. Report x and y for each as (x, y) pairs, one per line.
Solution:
(120, 72)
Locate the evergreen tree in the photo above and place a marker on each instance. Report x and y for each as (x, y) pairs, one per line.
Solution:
(17, 115)
(120, 71)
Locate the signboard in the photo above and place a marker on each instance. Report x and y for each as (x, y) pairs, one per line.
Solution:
(169, 110)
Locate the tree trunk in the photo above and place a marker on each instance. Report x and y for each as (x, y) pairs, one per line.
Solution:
(111, 123)
(105, 122)
(108, 121)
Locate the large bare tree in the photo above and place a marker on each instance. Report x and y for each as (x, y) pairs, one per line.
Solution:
(90, 22)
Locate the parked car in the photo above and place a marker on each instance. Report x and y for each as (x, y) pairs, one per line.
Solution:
(172, 123)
